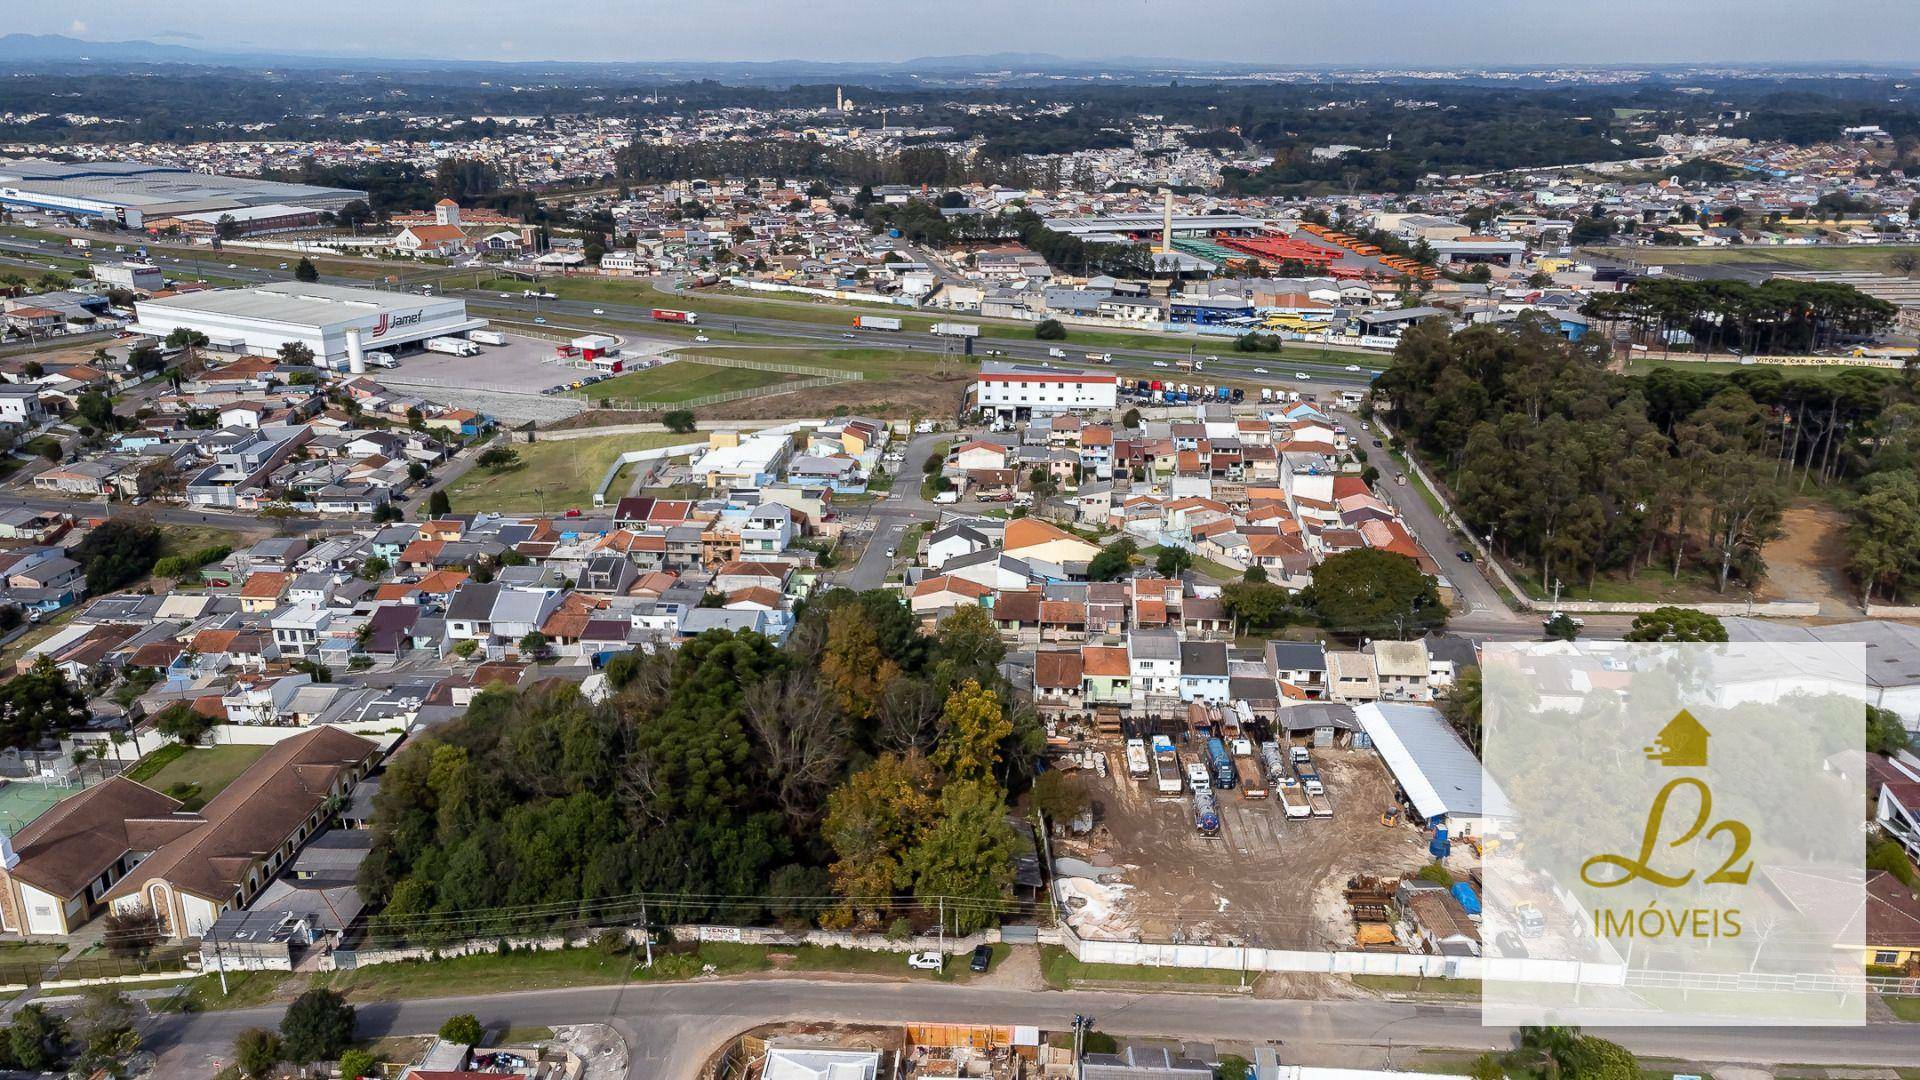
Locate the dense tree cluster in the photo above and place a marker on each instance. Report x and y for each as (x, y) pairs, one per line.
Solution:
(1572, 471)
(1779, 316)
(723, 779)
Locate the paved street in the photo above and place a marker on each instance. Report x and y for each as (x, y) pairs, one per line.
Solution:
(672, 1029)
(894, 515)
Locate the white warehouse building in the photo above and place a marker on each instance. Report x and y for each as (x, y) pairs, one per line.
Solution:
(1010, 392)
(338, 323)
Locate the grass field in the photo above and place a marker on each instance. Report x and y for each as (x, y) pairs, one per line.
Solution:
(194, 775)
(1063, 971)
(1875, 257)
(1643, 365)
(555, 475)
(683, 380)
(1408, 984)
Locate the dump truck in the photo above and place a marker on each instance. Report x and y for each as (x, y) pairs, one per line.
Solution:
(1138, 765)
(1166, 766)
(876, 322)
(1252, 785)
(1206, 813)
(1316, 793)
(1292, 798)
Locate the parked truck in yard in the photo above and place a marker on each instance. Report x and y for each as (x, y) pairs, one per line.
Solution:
(1273, 761)
(1138, 765)
(875, 322)
(1292, 798)
(1166, 766)
(1252, 777)
(452, 346)
(487, 337)
(671, 315)
(1316, 792)
(956, 329)
(1220, 764)
(1206, 812)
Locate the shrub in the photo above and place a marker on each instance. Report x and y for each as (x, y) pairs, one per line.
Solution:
(464, 1029)
(1050, 330)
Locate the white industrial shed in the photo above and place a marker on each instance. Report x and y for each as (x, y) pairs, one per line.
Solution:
(335, 321)
(1440, 776)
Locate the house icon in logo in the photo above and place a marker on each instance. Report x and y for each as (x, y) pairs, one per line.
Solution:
(1681, 744)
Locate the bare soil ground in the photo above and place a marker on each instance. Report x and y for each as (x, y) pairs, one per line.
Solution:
(1265, 880)
(1808, 561)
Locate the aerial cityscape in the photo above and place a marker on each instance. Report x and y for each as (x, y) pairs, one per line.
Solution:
(844, 542)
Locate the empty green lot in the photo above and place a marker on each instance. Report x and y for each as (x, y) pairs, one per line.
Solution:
(682, 380)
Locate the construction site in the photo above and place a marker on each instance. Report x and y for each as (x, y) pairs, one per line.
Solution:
(1265, 875)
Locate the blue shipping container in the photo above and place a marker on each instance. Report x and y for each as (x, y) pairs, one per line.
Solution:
(1463, 892)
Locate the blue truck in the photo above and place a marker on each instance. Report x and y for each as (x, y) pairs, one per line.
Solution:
(1221, 764)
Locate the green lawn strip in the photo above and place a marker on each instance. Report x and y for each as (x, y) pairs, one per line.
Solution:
(245, 990)
(554, 475)
(482, 973)
(1063, 971)
(1641, 365)
(1410, 984)
(1818, 257)
(1653, 585)
(199, 773)
(680, 381)
(1903, 1008)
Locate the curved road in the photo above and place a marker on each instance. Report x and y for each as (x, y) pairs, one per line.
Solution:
(672, 1028)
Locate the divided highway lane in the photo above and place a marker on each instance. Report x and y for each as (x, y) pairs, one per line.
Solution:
(1135, 361)
(671, 1029)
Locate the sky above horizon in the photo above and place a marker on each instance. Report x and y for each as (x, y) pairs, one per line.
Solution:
(1425, 33)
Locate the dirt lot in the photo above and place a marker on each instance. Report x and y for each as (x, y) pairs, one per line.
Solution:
(1265, 880)
(1806, 562)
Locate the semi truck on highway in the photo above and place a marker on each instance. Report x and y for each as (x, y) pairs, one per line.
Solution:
(955, 329)
(875, 322)
(452, 346)
(1099, 358)
(671, 315)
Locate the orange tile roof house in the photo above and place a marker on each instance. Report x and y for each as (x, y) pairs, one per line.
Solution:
(220, 858)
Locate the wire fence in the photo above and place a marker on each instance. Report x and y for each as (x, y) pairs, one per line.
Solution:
(636, 405)
(831, 374)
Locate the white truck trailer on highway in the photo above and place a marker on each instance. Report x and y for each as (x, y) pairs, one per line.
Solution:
(875, 322)
(956, 329)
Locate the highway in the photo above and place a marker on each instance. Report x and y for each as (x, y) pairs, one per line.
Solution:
(671, 1029)
(635, 318)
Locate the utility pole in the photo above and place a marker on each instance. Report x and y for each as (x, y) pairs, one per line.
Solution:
(646, 932)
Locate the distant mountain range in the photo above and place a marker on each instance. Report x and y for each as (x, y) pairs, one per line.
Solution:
(39, 50)
(46, 48)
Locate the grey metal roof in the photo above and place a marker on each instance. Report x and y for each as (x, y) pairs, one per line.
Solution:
(1436, 770)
